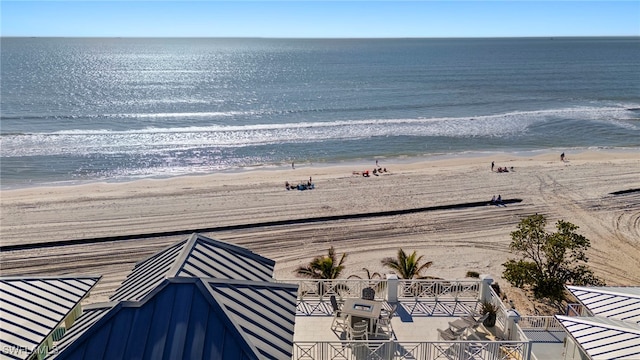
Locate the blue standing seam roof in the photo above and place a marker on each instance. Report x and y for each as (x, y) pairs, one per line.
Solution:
(264, 312)
(191, 318)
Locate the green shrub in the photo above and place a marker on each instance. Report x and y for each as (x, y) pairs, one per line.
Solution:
(473, 274)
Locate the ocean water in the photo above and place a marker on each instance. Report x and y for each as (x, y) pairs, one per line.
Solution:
(112, 109)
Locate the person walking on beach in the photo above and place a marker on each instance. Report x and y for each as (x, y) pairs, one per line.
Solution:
(562, 157)
(292, 165)
(492, 165)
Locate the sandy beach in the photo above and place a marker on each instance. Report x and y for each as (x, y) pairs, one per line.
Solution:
(476, 238)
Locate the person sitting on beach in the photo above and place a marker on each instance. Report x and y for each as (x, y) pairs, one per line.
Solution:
(499, 200)
(365, 173)
(493, 199)
(384, 170)
(375, 172)
(287, 186)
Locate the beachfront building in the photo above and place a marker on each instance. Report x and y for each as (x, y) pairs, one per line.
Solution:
(206, 299)
(197, 299)
(36, 311)
(605, 325)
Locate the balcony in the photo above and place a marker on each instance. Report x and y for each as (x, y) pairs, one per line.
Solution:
(423, 307)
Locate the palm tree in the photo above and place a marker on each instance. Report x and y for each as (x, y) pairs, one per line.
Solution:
(323, 267)
(407, 267)
(370, 275)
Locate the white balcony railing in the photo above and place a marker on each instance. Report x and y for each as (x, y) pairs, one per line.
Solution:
(547, 323)
(320, 289)
(501, 315)
(399, 350)
(438, 289)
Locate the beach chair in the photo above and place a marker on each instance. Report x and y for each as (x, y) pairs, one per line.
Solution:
(467, 322)
(450, 334)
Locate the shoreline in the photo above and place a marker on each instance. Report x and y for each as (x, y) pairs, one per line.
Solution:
(466, 156)
(456, 240)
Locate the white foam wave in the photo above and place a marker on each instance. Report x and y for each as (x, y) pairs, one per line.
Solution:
(590, 113)
(155, 139)
(183, 114)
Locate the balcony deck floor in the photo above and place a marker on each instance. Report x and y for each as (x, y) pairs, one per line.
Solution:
(416, 321)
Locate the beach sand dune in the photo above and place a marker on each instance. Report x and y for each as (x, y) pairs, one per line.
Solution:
(457, 240)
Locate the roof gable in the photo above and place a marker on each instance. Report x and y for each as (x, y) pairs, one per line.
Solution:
(32, 308)
(197, 256)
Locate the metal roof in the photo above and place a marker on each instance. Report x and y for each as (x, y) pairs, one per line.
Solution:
(90, 315)
(622, 303)
(264, 312)
(604, 338)
(197, 256)
(31, 309)
(191, 318)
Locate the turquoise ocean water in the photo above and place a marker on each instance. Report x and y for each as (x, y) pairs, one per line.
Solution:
(75, 110)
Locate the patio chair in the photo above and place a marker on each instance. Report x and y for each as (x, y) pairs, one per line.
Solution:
(368, 293)
(384, 321)
(359, 331)
(467, 322)
(450, 334)
(339, 318)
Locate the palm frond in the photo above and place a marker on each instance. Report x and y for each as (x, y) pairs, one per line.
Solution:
(407, 266)
(323, 267)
